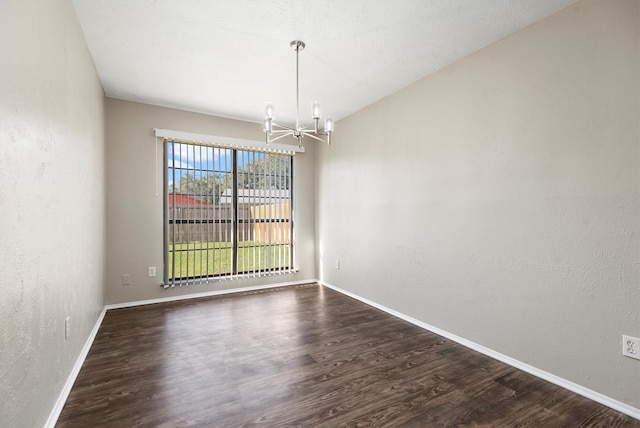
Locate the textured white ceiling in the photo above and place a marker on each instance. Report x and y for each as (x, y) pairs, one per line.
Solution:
(229, 57)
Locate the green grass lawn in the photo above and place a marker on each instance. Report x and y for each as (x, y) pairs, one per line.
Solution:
(215, 258)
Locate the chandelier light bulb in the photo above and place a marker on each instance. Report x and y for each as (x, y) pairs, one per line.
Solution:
(328, 125)
(316, 110)
(268, 127)
(268, 111)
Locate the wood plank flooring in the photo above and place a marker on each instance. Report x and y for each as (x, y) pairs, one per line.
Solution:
(302, 356)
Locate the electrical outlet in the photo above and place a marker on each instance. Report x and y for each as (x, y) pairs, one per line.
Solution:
(337, 264)
(67, 328)
(631, 347)
(126, 279)
(152, 271)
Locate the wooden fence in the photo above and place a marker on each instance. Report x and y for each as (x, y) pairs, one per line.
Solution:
(269, 223)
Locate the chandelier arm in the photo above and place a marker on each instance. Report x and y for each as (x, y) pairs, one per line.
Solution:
(308, 134)
(281, 127)
(271, 140)
(305, 128)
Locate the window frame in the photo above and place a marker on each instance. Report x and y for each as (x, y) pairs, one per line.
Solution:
(234, 221)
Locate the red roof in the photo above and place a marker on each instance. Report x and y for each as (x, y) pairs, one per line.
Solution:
(179, 199)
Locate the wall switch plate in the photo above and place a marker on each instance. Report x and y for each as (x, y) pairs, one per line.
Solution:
(126, 279)
(152, 271)
(631, 347)
(67, 328)
(337, 264)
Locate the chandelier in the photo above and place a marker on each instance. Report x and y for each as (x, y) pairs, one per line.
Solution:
(274, 131)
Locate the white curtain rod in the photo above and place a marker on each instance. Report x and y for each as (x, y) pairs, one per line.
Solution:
(190, 137)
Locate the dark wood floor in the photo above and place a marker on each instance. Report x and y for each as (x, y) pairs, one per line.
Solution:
(302, 356)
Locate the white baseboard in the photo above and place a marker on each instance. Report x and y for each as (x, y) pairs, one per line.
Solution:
(64, 394)
(578, 389)
(206, 294)
(62, 398)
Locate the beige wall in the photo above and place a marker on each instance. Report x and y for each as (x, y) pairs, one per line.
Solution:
(52, 208)
(511, 185)
(134, 199)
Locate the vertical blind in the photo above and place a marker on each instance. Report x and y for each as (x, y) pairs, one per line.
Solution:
(228, 213)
